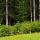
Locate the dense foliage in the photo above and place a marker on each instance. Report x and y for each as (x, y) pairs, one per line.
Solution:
(18, 10)
(20, 28)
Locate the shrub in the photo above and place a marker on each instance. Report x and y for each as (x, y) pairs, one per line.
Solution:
(20, 28)
(35, 26)
(6, 31)
(25, 27)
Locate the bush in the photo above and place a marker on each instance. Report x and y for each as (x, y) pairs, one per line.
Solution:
(3, 31)
(25, 27)
(35, 26)
(20, 28)
(6, 31)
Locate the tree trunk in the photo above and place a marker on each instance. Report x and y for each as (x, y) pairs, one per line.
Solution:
(6, 13)
(39, 10)
(34, 9)
(31, 9)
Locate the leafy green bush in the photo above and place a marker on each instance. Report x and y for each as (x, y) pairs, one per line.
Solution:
(27, 27)
(6, 31)
(20, 28)
(23, 27)
(3, 31)
(35, 26)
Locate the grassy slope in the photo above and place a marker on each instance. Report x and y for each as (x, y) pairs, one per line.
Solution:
(34, 36)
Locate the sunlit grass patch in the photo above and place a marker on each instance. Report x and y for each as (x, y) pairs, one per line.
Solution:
(33, 36)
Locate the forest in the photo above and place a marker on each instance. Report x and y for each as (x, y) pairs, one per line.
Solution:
(13, 11)
(19, 19)
(18, 11)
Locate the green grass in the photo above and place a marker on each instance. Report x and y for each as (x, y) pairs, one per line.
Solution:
(33, 36)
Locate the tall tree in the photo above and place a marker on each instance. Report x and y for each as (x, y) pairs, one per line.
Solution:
(34, 9)
(31, 9)
(7, 12)
(39, 10)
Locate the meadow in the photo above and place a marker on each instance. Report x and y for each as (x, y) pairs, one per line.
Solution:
(33, 36)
